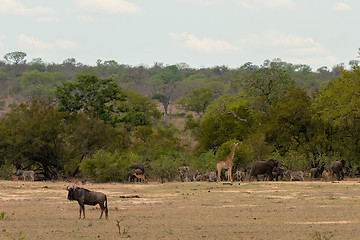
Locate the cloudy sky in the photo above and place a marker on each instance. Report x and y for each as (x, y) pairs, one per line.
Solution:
(201, 33)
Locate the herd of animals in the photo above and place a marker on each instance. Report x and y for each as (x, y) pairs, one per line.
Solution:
(271, 170)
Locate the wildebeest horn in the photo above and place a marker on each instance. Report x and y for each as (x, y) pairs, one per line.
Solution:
(67, 187)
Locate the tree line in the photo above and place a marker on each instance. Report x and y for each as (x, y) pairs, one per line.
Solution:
(69, 119)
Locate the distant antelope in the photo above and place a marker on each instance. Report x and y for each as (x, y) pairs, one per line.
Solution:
(75, 183)
(15, 178)
(140, 176)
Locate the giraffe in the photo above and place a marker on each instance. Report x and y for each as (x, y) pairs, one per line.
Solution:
(227, 163)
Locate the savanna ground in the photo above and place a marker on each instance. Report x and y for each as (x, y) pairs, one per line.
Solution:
(197, 210)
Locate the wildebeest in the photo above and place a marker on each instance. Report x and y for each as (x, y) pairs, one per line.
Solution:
(26, 174)
(87, 197)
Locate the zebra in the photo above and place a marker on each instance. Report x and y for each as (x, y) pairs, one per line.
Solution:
(26, 174)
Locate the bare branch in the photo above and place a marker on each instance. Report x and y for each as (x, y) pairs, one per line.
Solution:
(238, 118)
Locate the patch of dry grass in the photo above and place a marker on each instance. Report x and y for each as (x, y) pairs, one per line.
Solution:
(256, 210)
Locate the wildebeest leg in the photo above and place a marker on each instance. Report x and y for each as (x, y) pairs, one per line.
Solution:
(102, 209)
(82, 207)
(24, 177)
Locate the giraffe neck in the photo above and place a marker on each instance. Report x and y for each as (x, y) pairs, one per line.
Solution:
(231, 155)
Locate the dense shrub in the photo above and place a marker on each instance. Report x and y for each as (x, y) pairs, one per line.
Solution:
(105, 166)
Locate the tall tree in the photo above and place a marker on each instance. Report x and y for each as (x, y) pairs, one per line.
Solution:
(266, 84)
(289, 124)
(338, 106)
(15, 57)
(197, 100)
(89, 93)
(33, 138)
(164, 84)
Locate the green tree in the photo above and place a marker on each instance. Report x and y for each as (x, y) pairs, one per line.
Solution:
(89, 93)
(136, 110)
(338, 107)
(37, 64)
(290, 122)
(86, 135)
(265, 85)
(197, 100)
(225, 118)
(32, 137)
(164, 84)
(15, 57)
(40, 84)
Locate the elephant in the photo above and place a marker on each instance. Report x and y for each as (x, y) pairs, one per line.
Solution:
(138, 166)
(314, 173)
(336, 168)
(262, 168)
(278, 172)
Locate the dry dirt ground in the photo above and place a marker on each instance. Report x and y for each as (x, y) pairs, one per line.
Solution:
(255, 210)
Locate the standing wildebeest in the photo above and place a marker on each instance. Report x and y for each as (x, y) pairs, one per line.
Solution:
(263, 167)
(337, 167)
(84, 196)
(26, 174)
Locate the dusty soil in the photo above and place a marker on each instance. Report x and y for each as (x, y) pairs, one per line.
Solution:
(256, 210)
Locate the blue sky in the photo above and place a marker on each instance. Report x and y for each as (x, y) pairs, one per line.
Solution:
(201, 33)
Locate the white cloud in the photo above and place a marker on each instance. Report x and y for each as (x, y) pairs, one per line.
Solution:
(316, 60)
(33, 44)
(288, 40)
(294, 49)
(201, 2)
(86, 19)
(15, 8)
(204, 45)
(277, 3)
(253, 4)
(108, 6)
(340, 7)
(276, 39)
(48, 19)
(246, 5)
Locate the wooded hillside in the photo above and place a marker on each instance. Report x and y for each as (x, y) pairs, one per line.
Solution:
(70, 119)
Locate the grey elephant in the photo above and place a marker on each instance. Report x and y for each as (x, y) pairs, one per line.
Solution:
(336, 168)
(262, 168)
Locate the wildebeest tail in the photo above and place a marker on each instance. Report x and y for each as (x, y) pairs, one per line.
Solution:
(106, 207)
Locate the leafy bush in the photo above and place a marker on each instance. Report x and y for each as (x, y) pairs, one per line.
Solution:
(242, 155)
(165, 167)
(105, 166)
(206, 161)
(7, 170)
